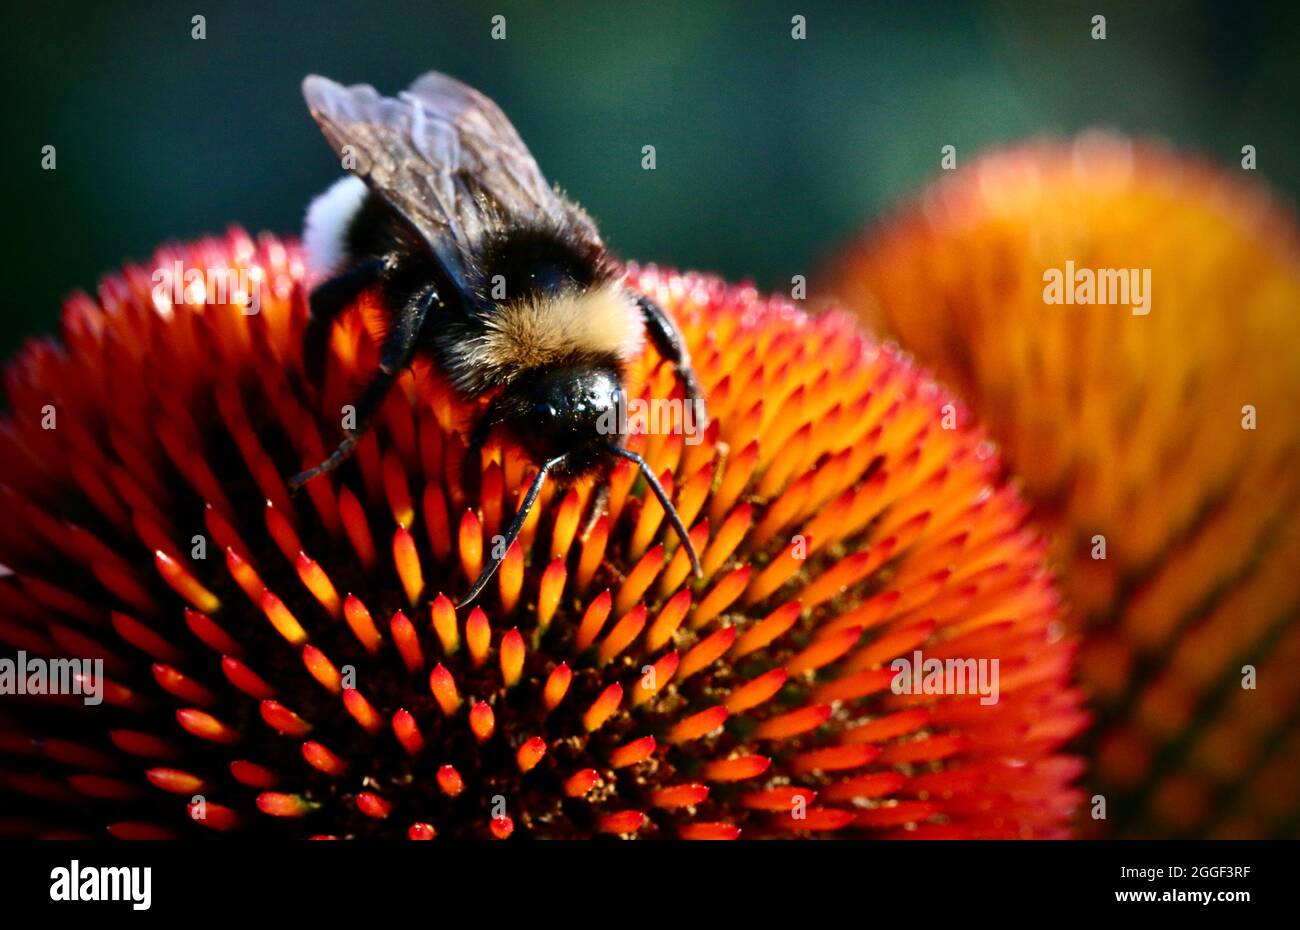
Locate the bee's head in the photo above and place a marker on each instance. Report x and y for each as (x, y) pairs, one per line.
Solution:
(570, 409)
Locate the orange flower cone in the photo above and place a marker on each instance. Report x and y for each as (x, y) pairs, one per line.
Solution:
(1172, 434)
(293, 665)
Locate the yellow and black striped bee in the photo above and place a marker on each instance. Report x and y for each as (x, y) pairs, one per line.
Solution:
(483, 265)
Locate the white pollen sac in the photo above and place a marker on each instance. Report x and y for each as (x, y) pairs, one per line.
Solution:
(327, 223)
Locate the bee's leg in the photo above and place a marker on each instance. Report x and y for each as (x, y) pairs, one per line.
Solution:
(670, 344)
(328, 300)
(393, 358)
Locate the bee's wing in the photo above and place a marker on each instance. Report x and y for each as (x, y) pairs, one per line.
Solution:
(442, 154)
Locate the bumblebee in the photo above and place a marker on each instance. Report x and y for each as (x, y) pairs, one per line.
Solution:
(489, 270)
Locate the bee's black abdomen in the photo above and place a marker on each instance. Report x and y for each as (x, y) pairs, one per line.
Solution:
(539, 260)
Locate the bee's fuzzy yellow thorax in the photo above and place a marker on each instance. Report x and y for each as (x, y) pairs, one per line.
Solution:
(539, 331)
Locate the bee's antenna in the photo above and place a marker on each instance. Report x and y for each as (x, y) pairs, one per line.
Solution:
(512, 533)
(667, 505)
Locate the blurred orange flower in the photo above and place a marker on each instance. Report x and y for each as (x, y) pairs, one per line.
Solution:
(1172, 434)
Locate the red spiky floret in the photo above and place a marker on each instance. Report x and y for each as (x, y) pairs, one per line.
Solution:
(294, 665)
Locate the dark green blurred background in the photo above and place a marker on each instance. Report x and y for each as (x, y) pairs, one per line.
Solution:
(769, 150)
